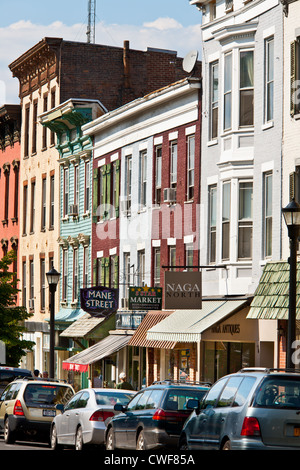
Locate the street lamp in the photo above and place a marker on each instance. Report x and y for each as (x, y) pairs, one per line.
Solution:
(291, 214)
(52, 278)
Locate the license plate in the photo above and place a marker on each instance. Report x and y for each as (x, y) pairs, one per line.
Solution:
(297, 431)
(50, 413)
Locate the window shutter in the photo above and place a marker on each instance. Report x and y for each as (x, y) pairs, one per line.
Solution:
(293, 77)
(95, 194)
(95, 272)
(116, 279)
(117, 187)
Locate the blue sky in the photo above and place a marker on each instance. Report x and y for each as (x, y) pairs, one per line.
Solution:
(166, 24)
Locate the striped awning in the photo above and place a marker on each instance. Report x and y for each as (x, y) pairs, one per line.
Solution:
(140, 336)
(107, 346)
(82, 327)
(186, 326)
(271, 298)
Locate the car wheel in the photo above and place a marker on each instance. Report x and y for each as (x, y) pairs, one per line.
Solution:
(79, 439)
(9, 435)
(183, 444)
(53, 440)
(226, 445)
(110, 442)
(140, 443)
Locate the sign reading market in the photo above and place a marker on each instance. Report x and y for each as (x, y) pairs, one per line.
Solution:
(183, 290)
(145, 298)
(99, 301)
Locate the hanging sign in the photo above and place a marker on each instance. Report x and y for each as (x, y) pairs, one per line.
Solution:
(99, 301)
(183, 290)
(145, 298)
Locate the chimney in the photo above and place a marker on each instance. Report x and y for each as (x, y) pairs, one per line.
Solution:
(126, 64)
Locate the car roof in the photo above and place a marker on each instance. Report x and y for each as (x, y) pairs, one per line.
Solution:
(177, 384)
(260, 372)
(18, 369)
(105, 390)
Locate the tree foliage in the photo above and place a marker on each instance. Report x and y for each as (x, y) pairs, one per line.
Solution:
(12, 317)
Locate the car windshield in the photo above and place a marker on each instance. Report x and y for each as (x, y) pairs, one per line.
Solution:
(177, 399)
(44, 394)
(279, 392)
(111, 398)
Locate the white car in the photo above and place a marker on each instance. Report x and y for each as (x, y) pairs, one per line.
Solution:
(84, 418)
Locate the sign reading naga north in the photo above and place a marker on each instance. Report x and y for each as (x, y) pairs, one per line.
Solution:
(183, 290)
(99, 301)
(145, 298)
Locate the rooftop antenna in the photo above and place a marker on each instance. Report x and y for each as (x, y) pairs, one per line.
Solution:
(91, 21)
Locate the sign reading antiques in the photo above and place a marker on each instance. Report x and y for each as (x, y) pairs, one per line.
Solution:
(183, 290)
(99, 301)
(145, 298)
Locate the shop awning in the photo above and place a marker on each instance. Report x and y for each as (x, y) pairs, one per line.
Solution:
(140, 336)
(82, 327)
(107, 346)
(271, 298)
(187, 325)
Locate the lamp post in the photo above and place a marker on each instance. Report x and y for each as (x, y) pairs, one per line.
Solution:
(291, 214)
(52, 278)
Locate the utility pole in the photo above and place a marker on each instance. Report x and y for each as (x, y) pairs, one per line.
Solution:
(91, 21)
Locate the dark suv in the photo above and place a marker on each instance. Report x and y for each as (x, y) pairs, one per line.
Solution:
(8, 374)
(154, 417)
(255, 409)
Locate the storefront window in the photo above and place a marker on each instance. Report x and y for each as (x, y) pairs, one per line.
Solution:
(221, 358)
(169, 363)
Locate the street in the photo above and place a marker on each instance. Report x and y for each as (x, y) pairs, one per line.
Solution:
(23, 445)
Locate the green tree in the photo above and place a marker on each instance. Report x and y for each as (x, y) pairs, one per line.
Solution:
(12, 317)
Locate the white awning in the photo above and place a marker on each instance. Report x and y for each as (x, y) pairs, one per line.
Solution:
(186, 326)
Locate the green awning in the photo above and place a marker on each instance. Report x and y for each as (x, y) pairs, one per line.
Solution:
(271, 298)
(186, 326)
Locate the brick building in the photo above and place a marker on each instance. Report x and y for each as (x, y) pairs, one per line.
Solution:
(50, 73)
(10, 126)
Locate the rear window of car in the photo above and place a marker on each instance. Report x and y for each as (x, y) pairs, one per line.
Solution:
(47, 394)
(176, 400)
(278, 392)
(111, 398)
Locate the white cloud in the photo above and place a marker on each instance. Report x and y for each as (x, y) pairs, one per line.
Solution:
(164, 33)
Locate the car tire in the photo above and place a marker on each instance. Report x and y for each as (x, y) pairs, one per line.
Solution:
(226, 445)
(79, 439)
(140, 443)
(9, 435)
(110, 441)
(183, 445)
(53, 439)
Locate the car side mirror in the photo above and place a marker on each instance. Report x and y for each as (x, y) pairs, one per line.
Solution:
(60, 407)
(119, 407)
(193, 404)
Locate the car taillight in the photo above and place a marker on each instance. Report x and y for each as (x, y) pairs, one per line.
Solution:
(101, 415)
(18, 410)
(161, 415)
(250, 427)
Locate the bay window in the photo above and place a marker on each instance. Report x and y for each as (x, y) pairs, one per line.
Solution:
(226, 199)
(212, 193)
(245, 221)
(227, 91)
(246, 94)
(214, 100)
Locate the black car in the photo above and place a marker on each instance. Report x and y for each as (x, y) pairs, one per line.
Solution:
(9, 374)
(154, 417)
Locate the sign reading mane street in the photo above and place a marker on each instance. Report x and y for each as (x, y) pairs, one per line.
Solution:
(183, 290)
(145, 298)
(99, 301)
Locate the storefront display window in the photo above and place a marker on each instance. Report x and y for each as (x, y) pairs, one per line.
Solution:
(221, 358)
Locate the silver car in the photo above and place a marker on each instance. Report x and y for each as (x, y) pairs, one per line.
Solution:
(253, 409)
(84, 418)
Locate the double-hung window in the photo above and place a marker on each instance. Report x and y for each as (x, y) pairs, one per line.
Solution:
(268, 214)
(44, 187)
(190, 166)
(143, 179)
(246, 88)
(212, 194)
(245, 222)
(158, 167)
(156, 274)
(269, 79)
(87, 186)
(214, 100)
(228, 91)
(65, 275)
(128, 181)
(226, 220)
(141, 268)
(173, 164)
(75, 274)
(66, 192)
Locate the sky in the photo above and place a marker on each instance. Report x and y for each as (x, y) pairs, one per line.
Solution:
(164, 24)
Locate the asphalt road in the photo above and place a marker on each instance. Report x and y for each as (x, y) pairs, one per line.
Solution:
(23, 445)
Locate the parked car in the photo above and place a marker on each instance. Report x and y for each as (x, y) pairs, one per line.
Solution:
(27, 408)
(84, 418)
(251, 409)
(8, 374)
(154, 417)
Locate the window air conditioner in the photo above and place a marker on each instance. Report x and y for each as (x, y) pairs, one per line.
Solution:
(169, 195)
(73, 210)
